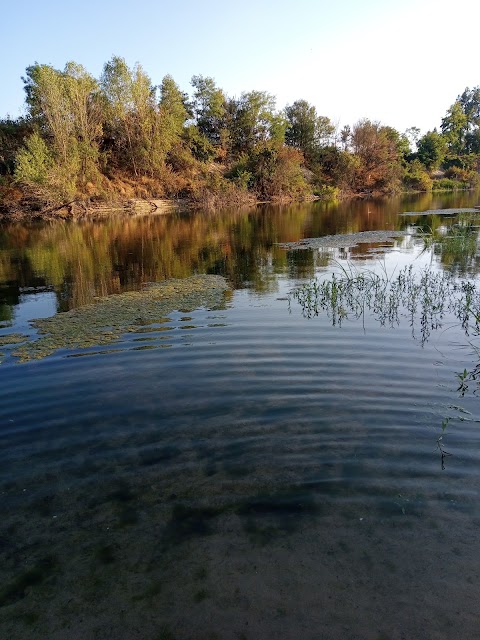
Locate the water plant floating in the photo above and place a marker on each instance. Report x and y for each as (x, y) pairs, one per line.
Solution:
(440, 212)
(343, 240)
(105, 321)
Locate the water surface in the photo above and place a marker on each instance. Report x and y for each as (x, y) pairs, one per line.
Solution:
(242, 471)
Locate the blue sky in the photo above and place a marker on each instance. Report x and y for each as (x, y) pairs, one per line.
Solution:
(402, 63)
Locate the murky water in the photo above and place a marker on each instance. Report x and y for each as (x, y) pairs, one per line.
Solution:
(241, 471)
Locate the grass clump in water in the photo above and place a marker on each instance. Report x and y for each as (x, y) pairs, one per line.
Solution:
(422, 298)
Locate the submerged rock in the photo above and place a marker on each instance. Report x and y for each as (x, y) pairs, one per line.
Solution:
(106, 320)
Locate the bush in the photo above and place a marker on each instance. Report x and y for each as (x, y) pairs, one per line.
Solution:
(326, 192)
(33, 161)
(416, 177)
(448, 184)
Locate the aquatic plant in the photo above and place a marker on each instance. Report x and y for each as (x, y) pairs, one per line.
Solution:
(422, 298)
(104, 322)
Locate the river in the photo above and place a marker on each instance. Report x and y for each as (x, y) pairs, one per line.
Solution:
(244, 470)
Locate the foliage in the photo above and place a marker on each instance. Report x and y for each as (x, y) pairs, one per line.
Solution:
(273, 173)
(210, 111)
(65, 105)
(86, 138)
(432, 149)
(335, 168)
(306, 130)
(12, 136)
(132, 118)
(254, 121)
(377, 148)
(448, 184)
(34, 161)
(416, 177)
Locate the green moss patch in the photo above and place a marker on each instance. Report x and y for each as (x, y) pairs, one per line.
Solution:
(110, 317)
(12, 338)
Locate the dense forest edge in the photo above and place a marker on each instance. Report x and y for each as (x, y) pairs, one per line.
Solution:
(89, 143)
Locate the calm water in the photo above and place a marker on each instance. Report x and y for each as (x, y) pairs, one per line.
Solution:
(243, 472)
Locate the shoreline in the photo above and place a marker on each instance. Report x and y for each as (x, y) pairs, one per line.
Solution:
(23, 209)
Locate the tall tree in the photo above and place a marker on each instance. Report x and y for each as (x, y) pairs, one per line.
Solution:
(65, 105)
(378, 154)
(431, 149)
(209, 109)
(131, 114)
(305, 129)
(454, 128)
(254, 121)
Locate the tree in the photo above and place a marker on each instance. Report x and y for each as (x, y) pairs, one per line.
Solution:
(66, 108)
(85, 106)
(412, 134)
(305, 129)
(173, 113)
(47, 99)
(128, 94)
(377, 149)
(454, 128)
(209, 110)
(274, 172)
(470, 103)
(253, 120)
(34, 162)
(12, 136)
(431, 149)
(345, 136)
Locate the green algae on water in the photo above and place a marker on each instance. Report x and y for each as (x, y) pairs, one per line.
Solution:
(12, 338)
(106, 320)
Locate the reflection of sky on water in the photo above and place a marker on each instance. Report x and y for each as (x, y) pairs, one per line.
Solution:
(34, 305)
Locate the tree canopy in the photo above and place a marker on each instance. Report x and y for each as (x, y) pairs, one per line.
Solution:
(85, 137)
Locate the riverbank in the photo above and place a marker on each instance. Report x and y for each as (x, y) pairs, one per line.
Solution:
(17, 204)
(23, 207)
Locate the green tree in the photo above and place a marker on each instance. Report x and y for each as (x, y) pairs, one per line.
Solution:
(253, 120)
(66, 108)
(416, 177)
(470, 102)
(305, 129)
(48, 102)
(210, 110)
(173, 114)
(12, 136)
(432, 149)
(34, 162)
(455, 127)
(130, 99)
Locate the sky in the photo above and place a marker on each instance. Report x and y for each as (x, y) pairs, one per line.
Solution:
(399, 62)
